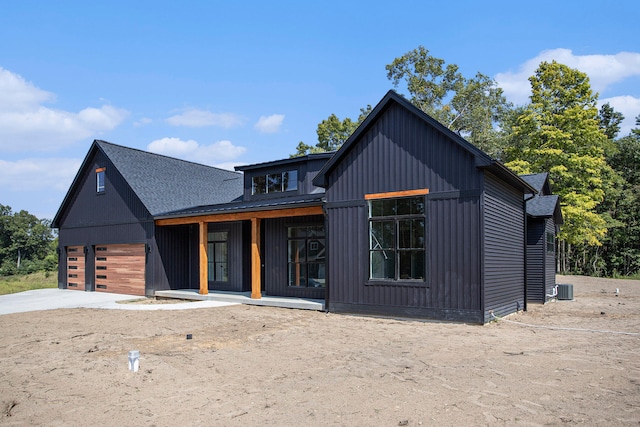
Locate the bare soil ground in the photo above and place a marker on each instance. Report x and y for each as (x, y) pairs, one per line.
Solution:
(268, 366)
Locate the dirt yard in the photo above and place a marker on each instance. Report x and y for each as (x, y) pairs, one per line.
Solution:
(267, 366)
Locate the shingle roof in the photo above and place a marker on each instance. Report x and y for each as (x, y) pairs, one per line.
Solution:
(163, 183)
(542, 206)
(536, 180)
(166, 184)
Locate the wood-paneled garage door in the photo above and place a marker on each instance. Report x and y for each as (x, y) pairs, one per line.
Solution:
(75, 267)
(120, 269)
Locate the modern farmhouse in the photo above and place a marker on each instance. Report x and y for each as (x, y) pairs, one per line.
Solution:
(406, 219)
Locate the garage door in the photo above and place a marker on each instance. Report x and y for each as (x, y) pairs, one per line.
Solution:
(75, 267)
(120, 269)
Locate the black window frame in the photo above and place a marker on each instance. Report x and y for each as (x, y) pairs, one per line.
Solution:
(313, 239)
(274, 182)
(387, 212)
(550, 243)
(212, 260)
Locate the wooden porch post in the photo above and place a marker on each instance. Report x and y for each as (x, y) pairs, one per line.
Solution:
(204, 276)
(256, 260)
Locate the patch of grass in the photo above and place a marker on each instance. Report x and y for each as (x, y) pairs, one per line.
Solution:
(635, 276)
(27, 282)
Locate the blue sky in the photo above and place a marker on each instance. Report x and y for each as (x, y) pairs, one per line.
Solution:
(230, 83)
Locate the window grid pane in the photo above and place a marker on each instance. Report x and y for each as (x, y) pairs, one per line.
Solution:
(397, 239)
(217, 254)
(306, 256)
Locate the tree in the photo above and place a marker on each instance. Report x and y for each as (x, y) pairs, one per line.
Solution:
(610, 121)
(25, 241)
(470, 107)
(559, 132)
(621, 252)
(332, 133)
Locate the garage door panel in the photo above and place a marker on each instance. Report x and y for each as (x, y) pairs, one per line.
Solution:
(120, 269)
(75, 268)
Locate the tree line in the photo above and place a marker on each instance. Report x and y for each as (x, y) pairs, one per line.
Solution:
(27, 244)
(560, 130)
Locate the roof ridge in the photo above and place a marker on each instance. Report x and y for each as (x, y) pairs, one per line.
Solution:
(101, 141)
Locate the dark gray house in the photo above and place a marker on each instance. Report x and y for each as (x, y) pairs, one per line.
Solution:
(544, 219)
(406, 219)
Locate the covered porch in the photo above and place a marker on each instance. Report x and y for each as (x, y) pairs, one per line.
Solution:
(253, 243)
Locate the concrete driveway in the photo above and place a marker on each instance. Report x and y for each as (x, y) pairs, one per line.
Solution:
(51, 299)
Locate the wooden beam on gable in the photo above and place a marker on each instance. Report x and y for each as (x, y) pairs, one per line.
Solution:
(204, 276)
(242, 216)
(394, 194)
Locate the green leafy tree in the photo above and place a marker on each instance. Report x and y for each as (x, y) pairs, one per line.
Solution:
(621, 248)
(470, 107)
(610, 121)
(332, 133)
(559, 132)
(25, 242)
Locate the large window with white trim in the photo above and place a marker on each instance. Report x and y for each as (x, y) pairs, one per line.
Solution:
(397, 239)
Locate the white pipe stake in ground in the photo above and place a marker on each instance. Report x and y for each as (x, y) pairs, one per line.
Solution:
(134, 360)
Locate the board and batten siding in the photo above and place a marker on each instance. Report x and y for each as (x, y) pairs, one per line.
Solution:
(504, 248)
(275, 257)
(400, 152)
(177, 266)
(235, 271)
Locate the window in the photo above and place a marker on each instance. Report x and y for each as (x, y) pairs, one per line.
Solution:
(217, 256)
(397, 239)
(551, 243)
(275, 182)
(100, 180)
(306, 256)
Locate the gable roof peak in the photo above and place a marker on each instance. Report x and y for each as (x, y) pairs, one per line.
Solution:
(153, 179)
(482, 159)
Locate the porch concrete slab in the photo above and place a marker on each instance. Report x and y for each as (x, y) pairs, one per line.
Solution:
(53, 298)
(245, 298)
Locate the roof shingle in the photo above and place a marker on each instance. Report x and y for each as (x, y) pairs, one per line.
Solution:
(166, 184)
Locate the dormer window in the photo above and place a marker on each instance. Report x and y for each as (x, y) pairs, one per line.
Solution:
(275, 182)
(100, 180)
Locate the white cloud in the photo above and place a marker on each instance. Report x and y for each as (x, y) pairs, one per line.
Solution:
(629, 107)
(603, 71)
(37, 174)
(18, 94)
(27, 125)
(269, 124)
(143, 122)
(213, 154)
(201, 118)
(230, 166)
